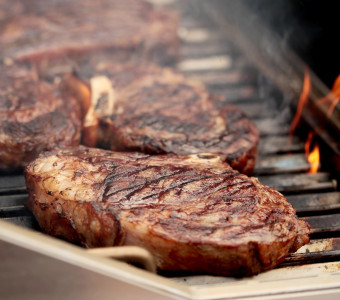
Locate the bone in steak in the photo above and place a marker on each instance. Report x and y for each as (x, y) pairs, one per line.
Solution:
(33, 117)
(158, 111)
(191, 212)
(38, 29)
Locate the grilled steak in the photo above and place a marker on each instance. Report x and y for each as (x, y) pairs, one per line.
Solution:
(33, 117)
(157, 111)
(191, 212)
(38, 29)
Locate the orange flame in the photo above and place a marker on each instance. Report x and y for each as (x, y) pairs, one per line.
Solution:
(302, 102)
(333, 97)
(313, 156)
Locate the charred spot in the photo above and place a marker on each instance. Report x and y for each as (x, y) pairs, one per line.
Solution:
(207, 156)
(149, 145)
(120, 233)
(232, 115)
(98, 209)
(6, 102)
(224, 219)
(236, 154)
(77, 174)
(50, 193)
(61, 214)
(102, 100)
(290, 226)
(137, 212)
(173, 215)
(44, 206)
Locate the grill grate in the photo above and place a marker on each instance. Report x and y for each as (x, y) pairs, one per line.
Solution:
(208, 56)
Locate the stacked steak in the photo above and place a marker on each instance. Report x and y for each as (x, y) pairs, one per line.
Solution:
(191, 212)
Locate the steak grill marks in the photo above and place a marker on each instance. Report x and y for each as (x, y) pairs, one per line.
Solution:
(143, 195)
(315, 195)
(178, 177)
(159, 111)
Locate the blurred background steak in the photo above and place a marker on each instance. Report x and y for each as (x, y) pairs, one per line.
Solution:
(155, 110)
(192, 213)
(158, 111)
(39, 29)
(33, 117)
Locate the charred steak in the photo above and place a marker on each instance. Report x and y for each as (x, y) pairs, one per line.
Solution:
(191, 212)
(158, 111)
(33, 117)
(37, 29)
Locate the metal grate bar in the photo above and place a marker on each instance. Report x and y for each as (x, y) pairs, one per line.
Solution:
(316, 203)
(325, 223)
(12, 200)
(280, 164)
(298, 183)
(10, 184)
(280, 144)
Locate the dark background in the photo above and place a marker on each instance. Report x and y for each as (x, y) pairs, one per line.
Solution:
(310, 27)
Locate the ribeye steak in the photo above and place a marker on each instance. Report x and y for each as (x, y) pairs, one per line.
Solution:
(156, 111)
(39, 29)
(191, 212)
(33, 117)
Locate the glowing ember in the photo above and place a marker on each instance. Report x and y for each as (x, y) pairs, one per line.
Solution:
(313, 156)
(302, 102)
(333, 97)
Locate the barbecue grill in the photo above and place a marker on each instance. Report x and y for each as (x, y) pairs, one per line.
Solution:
(37, 266)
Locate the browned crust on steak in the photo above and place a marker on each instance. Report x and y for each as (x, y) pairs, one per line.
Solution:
(33, 117)
(158, 111)
(39, 29)
(192, 212)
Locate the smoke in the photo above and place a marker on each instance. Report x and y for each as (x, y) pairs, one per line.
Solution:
(308, 27)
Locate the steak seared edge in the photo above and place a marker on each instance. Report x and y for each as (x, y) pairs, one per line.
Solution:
(192, 213)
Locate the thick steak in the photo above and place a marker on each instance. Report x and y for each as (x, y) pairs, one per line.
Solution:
(33, 117)
(37, 29)
(158, 111)
(191, 212)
